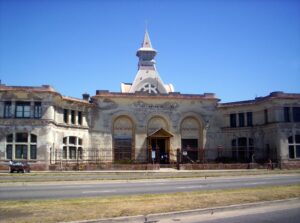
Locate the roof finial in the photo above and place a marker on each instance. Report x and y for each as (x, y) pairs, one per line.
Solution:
(146, 25)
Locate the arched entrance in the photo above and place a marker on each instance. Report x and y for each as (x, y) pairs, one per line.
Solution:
(159, 146)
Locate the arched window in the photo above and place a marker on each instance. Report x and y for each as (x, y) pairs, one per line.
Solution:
(21, 145)
(72, 148)
(242, 149)
(122, 139)
(190, 133)
(294, 146)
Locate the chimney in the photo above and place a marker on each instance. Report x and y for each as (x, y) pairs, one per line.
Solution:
(86, 96)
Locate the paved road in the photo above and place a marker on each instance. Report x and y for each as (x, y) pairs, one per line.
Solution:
(71, 190)
(286, 211)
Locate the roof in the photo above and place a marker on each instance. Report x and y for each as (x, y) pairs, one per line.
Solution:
(272, 95)
(160, 133)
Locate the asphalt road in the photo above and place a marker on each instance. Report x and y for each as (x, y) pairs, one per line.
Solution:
(76, 190)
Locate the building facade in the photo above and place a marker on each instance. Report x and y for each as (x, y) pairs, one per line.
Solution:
(146, 122)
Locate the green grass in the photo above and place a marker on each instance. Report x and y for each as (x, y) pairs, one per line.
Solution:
(100, 176)
(115, 206)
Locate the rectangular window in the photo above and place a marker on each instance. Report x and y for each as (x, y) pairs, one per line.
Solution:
(9, 138)
(21, 151)
(66, 116)
(9, 152)
(37, 109)
(64, 152)
(21, 137)
(72, 140)
(79, 118)
(73, 117)
(249, 119)
(291, 152)
(298, 151)
(7, 109)
(122, 149)
(296, 114)
(232, 120)
(241, 120)
(22, 109)
(33, 152)
(72, 152)
(266, 116)
(286, 114)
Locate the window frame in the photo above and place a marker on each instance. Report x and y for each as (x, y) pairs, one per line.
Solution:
(7, 113)
(294, 147)
(22, 148)
(23, 109)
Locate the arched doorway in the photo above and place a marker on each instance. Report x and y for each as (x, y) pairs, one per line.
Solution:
(158, 141)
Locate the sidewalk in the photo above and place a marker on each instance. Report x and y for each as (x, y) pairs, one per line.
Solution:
(205, 214)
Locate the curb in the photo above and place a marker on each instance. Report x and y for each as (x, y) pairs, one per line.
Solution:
(151, 218)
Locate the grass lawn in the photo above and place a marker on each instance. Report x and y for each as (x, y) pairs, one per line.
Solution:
(134, 175)
(115, 206)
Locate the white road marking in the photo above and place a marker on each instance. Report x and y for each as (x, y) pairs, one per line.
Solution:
(255, 183)
(190, 187)
(98, 191)
(75, 186)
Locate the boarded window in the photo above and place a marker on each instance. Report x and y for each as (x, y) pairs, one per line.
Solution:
(123, 132)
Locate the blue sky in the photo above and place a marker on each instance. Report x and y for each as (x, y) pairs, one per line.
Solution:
(236, 49)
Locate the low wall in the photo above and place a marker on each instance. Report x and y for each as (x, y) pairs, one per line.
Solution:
(219, 166)
(103, 166)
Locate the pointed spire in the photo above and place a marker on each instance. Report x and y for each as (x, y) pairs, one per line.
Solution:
(146, 43)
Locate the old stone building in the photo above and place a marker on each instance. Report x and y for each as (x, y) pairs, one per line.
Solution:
(147, 122)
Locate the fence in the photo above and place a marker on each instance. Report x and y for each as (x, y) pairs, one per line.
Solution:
(186, 155)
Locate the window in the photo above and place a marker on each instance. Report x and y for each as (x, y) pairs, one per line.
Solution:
(21, 151)
(64, 152)
(9, 151)
(79, 118)
(233, 120)
(241, 120)
(294, 146)
(21, 137)
(37, 110)
(122, 139)
(72, 152)
(266, 116)
(33, 152)
(249, 119)
(71, 149)
(72, 140)
(286, 112)
(242, 149)
(9, 138)
(122, 149)
(7, 109)
(73, 117)
(296, 114)
(21, 145)
(22, 109)
(66, 116)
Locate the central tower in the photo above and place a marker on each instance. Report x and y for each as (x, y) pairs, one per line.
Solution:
(147, 78)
